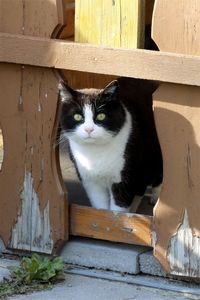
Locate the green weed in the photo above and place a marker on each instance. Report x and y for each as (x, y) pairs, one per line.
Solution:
(35, 273)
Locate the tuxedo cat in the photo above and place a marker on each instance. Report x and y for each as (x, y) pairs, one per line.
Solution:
(113, 141)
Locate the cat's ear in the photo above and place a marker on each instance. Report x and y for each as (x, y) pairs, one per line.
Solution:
(66, 93)
(111, 89)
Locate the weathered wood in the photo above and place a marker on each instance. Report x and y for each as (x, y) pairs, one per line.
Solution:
(33, 210)
(112, 226)
(169, 67)
(177, 113)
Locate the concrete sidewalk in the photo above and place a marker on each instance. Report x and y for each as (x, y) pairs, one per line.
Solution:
(91, 284)
(78, 287)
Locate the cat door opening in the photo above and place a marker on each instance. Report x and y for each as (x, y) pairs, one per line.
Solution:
(75, 114)
(1, 149)
(114, 148)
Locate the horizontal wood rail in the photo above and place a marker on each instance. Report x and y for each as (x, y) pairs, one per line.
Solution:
(112, 226)
(167, 67)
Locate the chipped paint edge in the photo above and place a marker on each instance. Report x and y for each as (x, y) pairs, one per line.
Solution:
(32, 230)
(183, 253)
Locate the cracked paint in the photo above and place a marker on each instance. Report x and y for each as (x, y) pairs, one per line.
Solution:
(32, 230)
(184, 251)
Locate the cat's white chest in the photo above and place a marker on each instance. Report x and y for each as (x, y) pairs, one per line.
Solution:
(99, 163)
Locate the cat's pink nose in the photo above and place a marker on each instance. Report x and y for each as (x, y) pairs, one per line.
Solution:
(89, 129)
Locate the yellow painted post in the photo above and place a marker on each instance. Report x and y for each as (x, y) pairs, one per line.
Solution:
(112, 23)
(115, 23)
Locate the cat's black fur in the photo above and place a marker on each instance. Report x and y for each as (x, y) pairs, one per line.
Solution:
(143, 154)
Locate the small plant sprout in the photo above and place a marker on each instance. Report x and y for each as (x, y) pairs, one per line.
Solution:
(33, 274)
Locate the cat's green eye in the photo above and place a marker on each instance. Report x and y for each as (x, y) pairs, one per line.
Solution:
(101, 117)
(78, 117)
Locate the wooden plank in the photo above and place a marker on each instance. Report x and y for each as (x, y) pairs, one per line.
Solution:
(181, 30)
(111, 226)
(33, 212)
(110, 23)
(176, 28)
(162, 66)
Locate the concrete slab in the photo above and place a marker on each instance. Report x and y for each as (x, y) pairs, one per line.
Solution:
(149, 265)
(91, 284)
(103, 255)
(87, 288)
(4, 267)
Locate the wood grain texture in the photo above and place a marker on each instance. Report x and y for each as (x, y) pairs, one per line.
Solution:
(33, 204)
(155, 65)
(177, 115)
(108, 23)
(112, 226)
(178, 29)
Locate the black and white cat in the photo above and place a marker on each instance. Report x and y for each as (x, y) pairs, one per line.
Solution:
(113, 141)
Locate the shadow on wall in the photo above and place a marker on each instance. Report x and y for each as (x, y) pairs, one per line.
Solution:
(179, 202)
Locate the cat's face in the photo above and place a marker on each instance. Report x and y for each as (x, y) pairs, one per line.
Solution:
(91, 116)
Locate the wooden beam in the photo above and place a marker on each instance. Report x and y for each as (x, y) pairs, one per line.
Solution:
(110, 23)
(111, 226)
(168, 67)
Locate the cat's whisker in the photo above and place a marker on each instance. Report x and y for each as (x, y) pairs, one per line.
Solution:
(60, 141)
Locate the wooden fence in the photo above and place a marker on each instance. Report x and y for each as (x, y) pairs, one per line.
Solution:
(34, 212)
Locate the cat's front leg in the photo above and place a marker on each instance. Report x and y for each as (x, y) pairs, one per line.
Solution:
(97, 194)
(123, 198)
(116, 195)
(115, 207)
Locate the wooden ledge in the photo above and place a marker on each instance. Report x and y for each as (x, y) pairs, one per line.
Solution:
(167, 67)
(112, 226)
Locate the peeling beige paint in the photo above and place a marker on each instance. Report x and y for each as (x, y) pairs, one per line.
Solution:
(153, 238)
(32, 230)
(184, 251)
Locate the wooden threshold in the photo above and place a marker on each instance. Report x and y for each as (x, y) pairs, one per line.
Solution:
(112, 226)
(155, 65)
